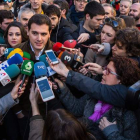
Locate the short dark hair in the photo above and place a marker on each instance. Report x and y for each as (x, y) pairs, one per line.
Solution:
(130, 40)
(61, 125)
(52, 10)
(5, 14)
(63, 4)
(127, 69)
(94, 8)
(22, 30)
(39, 19)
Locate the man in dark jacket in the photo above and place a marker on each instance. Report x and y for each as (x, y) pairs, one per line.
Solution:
(88, 29)
(61, 28)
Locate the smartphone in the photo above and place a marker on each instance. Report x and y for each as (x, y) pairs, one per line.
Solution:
(52, 57)
(45, 89)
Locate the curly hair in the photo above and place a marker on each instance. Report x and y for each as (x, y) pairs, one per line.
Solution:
(121, 25)
(130, 40)
(127, 69)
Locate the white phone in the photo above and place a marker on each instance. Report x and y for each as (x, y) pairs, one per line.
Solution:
(50, 54)
(45, 89)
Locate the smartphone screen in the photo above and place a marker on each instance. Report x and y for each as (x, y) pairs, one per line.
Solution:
(51, 56)
(45, 89)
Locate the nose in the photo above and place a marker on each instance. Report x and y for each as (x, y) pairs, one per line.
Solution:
(39, 37)
(101, 21)
(14, 36)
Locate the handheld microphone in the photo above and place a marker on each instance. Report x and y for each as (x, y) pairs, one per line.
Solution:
(42, 58)
(40, 70)
(11, 72)
(70, 43)
(15, 59)
(7, 51)
(74, 61)
(17, 50)
(26, 56)
(26, 70)
(58, 47)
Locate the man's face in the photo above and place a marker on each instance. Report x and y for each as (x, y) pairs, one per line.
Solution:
(108, 12)
(80, 5)
(36, 4)
(25, 18)
(5, 23)
(135, 12)
(54, 20)
(124, 7)
(38, 36)
(10, 4)
(95, 22)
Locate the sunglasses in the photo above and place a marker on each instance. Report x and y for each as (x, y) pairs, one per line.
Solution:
(108, 71)
(7, 1)
(112, 22)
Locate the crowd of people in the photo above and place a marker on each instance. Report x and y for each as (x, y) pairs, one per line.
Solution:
(90, 100)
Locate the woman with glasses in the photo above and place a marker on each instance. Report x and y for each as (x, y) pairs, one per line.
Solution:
(103, 119)
(106, 39)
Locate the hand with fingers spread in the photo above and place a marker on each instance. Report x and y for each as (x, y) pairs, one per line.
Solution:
(105, 123)
(83, 37)
(60, 68)
(77, 52)
(98, 48)
(95, 68)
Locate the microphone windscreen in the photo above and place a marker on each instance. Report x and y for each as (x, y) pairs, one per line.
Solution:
(17, 50)
(42, 58)
(27, 67)
(13, 70)
(40, 69)
(15, 59)
(7, 51)
(70, 43)
(67, 58)
(26, 55)
(57, 47)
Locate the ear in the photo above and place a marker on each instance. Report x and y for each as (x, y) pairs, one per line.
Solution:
(74, 2)
(28, 32)
(50, 33)
(87, 16)
(17, 19)
(63, 12)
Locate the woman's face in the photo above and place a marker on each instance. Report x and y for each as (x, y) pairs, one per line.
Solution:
(107, 34)
(14, 36)
(116, 51)
(109, 75)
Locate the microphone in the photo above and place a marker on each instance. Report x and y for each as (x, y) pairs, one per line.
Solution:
(42, 58)
(70, 43)
(6, 75)
(74, 61)
(15, 59)
(40, 70)
(17, 50)
(58, 47)
(7, 51)
(26, 70)
(26, 56)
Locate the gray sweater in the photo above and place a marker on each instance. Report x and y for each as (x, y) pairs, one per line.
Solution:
(125, 129)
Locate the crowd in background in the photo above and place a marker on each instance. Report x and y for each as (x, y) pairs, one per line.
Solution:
(90, 101)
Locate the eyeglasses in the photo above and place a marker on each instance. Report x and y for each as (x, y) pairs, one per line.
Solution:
(7, 1)
(112, 22)
(85, 1)
(108, 71)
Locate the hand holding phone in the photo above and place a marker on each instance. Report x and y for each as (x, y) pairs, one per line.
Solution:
(50, 54)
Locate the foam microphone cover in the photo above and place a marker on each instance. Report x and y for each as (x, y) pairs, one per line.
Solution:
(26, 56)
(70, 43)
(42, 58)
(57, 47)
(13, 70)
(15, 59)
(27, 67)
(40, 69)
(17, 50)
(7, 51)
(67, 58)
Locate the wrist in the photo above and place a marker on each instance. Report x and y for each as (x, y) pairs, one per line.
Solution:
(65, 74)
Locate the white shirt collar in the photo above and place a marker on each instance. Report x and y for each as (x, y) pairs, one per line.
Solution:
(40, 53)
